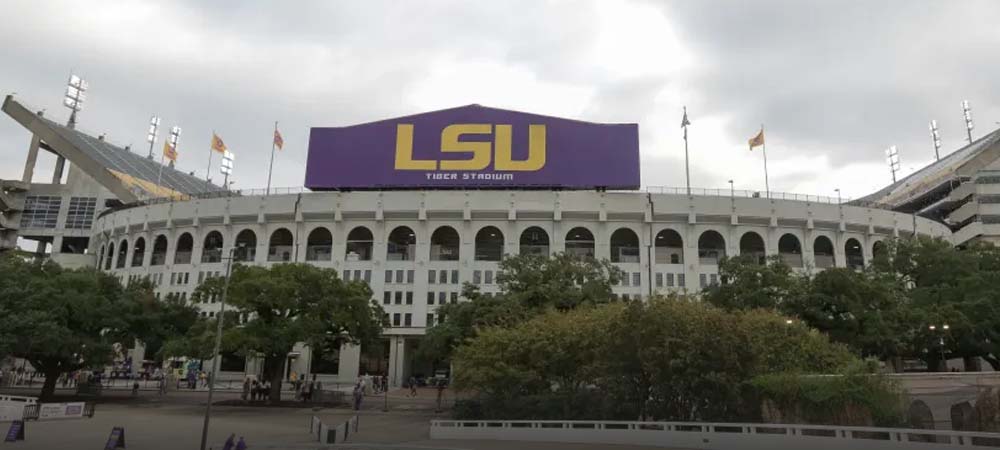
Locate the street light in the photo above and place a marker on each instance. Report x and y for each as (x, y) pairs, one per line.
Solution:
(76, 94)
(732, 190)
(838, 195)
(944, 329)
(216, 359)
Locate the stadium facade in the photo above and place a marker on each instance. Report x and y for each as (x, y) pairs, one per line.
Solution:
(416, 206)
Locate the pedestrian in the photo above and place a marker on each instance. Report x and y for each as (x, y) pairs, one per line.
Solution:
(265, 390)
(241, 445)
(413, 386)
(201, 379)
(254, 390)
(307, 390)
(359, 394)
(161, 384)
(246, 389)
(135, 388)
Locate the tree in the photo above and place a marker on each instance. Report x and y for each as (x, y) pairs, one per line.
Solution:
(61, 320)
(529, 286)
(747, 283)
(154, 322)
(285, 304)
(860, 309)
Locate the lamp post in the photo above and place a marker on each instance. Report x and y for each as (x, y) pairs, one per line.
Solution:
(838, 195)
(732, 190)
(943, 329)
(218, 343)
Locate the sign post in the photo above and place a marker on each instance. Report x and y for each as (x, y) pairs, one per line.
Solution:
(116, 439)
(16, 431)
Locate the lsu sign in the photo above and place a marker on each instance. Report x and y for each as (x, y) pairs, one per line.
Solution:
(474, 147)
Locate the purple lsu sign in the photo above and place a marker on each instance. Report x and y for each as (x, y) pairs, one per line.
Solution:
(474, 147)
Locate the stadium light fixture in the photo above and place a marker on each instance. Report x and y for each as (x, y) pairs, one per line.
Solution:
(937, 139)
(892, 157)
(226, 168)
(152, 134)
(76, 94)
(967, 112)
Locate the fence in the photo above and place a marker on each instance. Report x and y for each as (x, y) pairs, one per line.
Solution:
(711, 436)
(326, 435)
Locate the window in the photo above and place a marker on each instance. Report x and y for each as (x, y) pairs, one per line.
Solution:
(401, 245)
(476, 276)
(246, 246)
(368, 276)
(201, 277)
(702, 280)
(670, 280)
(580, 242)
(430, 320)
(624, 246)
(386, 297)
(636, 279)
(359, 245)
(409, 276)
(489, 244)
(357, 275)
(185, 244)
(823, 252)
(625, 297)
(122, 254)
(211, 251)
(454, 297)
(399, 276)
(399, 297)
(711, 247)
(80, 214)
(407, 320)
(409, 297)
(319, 245)
(281, 245)
(430, 276)
(445, 244)
(489, 277)
(442, 298)
(668, 247)
(347, 275)
(534, 241)
(624, 280)
(790, 250)
(40, 211)
(395, 320)
(430, 298)
(713, 279)
(388, 276)
(454, 277)
(172, 276)
(138, 251)
(681, 280)
(659, 280)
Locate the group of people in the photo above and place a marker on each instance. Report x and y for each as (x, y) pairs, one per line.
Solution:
(256, 390)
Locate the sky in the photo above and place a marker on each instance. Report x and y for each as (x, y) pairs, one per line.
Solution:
(833, 83)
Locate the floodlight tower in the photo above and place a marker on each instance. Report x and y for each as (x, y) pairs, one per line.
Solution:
(226, 168)
(937, 140)
(892, 157)
(968, 118)
(76, 93)
(152, 134)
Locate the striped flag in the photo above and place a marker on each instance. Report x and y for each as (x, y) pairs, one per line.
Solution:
(278, 141)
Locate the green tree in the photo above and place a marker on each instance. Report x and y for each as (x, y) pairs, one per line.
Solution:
(529, 285)
(746, 283)
(285, 304)
(61, 320)
(154, 322)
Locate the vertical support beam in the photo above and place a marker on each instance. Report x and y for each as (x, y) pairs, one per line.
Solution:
(29, 165)
(58, 172)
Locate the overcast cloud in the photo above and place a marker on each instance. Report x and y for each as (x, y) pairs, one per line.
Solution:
(834, 83)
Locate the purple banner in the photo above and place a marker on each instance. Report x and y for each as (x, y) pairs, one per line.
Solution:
(474, 147)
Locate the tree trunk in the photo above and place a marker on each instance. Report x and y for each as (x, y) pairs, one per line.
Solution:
(275, 366)
(49, 387)
(994, 362)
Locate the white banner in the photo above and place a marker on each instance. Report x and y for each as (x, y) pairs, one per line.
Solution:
(60, 411)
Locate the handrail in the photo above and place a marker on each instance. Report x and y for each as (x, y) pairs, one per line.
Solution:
(668, 190)
(719, 434)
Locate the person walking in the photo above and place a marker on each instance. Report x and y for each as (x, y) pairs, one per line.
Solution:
(359, 394)
(254, 390)
(246, 389)
(413, 386)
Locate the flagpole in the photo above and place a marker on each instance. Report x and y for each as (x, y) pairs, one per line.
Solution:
(208, 170)
(271, 165)
(687, 168)
(767, 184)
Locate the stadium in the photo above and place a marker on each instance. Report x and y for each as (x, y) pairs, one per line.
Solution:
(418, 205)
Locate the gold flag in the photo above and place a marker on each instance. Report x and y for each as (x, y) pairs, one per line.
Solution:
(169, 151)
(217, 144)
(757, 140)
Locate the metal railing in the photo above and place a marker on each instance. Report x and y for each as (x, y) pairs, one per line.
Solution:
(708, 435)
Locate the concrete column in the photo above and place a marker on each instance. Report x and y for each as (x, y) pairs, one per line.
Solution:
(29, 165)
(138, 354)
(350, 363)
(57, 173)
(692, 265)
(397, 358)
